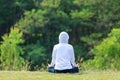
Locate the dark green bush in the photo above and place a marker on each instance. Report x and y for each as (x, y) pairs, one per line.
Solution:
(35, 54)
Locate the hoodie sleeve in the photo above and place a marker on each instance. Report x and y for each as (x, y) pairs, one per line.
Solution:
(73, 58)
(53, 57)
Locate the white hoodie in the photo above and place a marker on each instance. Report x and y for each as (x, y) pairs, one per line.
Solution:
(63, 54)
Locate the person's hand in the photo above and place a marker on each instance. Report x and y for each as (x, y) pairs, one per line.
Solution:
(48, 65)
(77, 65)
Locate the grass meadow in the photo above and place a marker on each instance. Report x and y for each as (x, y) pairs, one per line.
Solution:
(36, 75)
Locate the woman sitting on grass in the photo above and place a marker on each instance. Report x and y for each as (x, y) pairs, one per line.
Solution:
(63, 60)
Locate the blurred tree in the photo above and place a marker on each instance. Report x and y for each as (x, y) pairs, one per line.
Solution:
(107, 53)
(99, 17)
(11, 11)
(11, 51)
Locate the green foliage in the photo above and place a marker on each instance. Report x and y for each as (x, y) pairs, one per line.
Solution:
(92, 39)
(83, 14)
(11, 51)
(43, 23)
(32, 21)
(52, 3)
(35, 54)
(107, 53)
(80, 53)
(11, 12)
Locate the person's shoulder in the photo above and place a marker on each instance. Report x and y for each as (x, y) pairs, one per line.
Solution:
(56, 45)
(70, 45)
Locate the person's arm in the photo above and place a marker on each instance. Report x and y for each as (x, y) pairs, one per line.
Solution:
(53, 57)
(73, 58)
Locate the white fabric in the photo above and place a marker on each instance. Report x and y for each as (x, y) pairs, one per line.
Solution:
(63, 54)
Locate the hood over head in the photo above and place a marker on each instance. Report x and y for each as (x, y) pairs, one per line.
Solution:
(63, 37)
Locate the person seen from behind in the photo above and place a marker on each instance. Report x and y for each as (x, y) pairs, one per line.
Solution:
(63, 59)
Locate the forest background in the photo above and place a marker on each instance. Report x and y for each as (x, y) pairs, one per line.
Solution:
(30, 28)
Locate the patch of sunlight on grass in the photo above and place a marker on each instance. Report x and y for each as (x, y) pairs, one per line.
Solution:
(85, 75)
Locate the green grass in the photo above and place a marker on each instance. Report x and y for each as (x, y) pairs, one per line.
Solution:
(26, 75)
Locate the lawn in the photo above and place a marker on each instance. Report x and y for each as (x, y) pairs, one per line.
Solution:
(85, 75)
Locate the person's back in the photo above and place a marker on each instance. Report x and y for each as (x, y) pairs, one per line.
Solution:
(63, 55)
